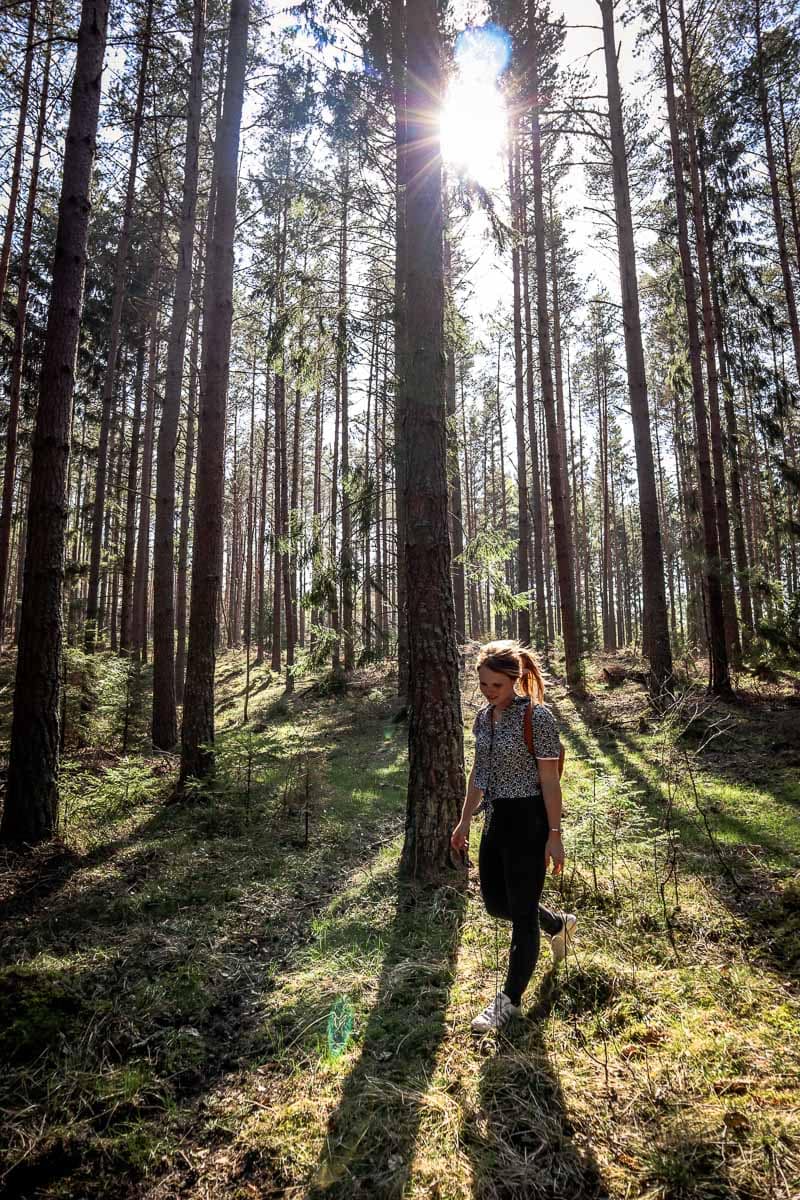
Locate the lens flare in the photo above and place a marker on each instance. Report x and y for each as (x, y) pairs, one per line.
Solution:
(473, 121)
(483, 52)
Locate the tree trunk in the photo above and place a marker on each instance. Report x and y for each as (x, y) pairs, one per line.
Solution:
(655, 627)
(129, 553)
(566, 584)
(342, 353)
(118, 297)
(165, 717)
(197, 754)
(19, 146)
(17, 354)
(523, 581)
(719, 682)
(780, 229)
(186, 494)
(30, 812)
(436, 756)
(141, 577)
(402, 122)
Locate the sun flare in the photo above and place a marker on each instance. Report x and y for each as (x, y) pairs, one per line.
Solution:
(474, 130)
(473, 120)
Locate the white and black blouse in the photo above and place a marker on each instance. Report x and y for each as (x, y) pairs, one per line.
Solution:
(504, 767)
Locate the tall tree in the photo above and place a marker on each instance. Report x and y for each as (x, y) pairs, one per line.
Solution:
(655, 625)
(436, 763)
(31, 803)
(719, 681)
(109, 379)
(538, 26)
(165, 720)
(197, 754)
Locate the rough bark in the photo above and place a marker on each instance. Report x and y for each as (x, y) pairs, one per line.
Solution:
(436, 764)
(523, 581)
(31, 803)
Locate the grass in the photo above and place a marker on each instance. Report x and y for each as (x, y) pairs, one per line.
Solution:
(201, 1001)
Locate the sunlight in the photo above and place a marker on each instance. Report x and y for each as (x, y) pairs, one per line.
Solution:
(473, 120)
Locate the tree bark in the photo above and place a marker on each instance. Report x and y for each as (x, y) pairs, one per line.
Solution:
(197, 753)
(18, 351)
(165, 717)
(523, 580)
(31, 804)
(655, 626)
(118, 297)
(19, 147)
(436, 761)
(566, 583)
(719, 682)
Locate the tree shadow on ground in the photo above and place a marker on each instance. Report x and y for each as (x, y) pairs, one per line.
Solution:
(520, 1140)
(372, 1135)
(748, 893)
(135, 982)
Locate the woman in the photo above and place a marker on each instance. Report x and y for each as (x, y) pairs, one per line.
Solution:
(522, 834)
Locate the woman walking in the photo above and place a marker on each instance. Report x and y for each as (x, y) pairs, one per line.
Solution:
(521, 794)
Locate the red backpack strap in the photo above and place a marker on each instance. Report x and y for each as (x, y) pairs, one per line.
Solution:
(527, 727)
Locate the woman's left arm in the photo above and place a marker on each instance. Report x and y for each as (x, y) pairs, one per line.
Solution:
(551, 792)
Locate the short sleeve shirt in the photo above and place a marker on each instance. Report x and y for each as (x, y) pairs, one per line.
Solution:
(504, 767)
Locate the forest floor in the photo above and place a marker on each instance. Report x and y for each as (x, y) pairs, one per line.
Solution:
(235, 998)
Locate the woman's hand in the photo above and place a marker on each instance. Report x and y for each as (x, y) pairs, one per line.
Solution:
(460, 836)
(554, 852)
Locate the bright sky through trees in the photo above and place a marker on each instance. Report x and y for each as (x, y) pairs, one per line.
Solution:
(474, 113)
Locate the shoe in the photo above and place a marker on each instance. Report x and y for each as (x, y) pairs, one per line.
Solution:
(496, 1015)
(559, 941)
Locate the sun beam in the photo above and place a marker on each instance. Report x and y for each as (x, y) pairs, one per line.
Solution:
(473, 119)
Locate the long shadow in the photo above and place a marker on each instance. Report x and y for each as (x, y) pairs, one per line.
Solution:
(521, 1141)
(716, 865)
(129, 999)
(372, 1134)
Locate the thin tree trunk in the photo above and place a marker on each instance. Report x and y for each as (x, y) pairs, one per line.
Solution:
(780, 228)
(197, 755)
(18, 351)
(109, 379)
(523, 582)
(719, 682)
(142, 572)
(19, 144)
(655, 626)
(165, 717)
(566, 584)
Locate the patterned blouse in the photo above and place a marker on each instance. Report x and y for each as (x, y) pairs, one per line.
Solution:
(504, 767)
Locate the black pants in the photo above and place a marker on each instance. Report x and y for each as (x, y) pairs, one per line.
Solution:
(512, 870)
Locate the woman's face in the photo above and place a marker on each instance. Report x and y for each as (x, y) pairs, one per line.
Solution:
(496, 687)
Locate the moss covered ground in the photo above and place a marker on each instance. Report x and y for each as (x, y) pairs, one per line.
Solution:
(235, 997)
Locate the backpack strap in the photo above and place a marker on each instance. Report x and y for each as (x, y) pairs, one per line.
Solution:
(527, 727)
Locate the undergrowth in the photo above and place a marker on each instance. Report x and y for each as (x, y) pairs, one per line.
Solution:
(236, 997)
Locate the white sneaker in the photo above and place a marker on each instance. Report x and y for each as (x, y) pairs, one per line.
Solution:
(496, 1014)
(562, 939)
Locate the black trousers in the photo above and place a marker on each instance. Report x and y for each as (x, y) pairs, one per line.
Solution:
(511, 868)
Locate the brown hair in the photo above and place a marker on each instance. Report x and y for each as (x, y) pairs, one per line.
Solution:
(512, 659)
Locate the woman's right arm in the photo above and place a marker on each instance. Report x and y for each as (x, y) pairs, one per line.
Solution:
(471, 801)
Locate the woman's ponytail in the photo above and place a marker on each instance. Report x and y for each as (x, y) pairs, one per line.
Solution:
(530, 678)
